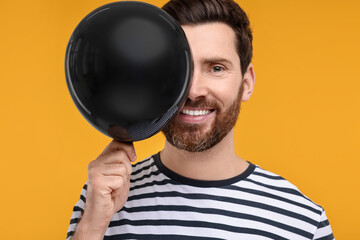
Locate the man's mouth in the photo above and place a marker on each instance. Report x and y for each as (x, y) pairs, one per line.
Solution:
(193, 113)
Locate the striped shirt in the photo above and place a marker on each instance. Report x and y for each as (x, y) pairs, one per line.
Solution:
(255, 205)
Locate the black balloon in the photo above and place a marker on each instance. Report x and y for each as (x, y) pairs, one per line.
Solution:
(128, 69)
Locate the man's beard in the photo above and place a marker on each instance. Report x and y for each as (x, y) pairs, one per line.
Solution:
(191, 137)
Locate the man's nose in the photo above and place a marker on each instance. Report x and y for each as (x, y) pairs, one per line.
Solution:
(198, 88)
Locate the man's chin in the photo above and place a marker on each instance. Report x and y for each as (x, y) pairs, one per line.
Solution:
(192, 138)
(202, 134)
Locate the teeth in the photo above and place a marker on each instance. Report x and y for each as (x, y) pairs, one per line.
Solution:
(195, 113)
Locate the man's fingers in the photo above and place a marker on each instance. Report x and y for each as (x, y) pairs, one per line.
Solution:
(108, 184)
(114, 182)
(117, 157)
(116, 169)
(128, 147)
(111, 163)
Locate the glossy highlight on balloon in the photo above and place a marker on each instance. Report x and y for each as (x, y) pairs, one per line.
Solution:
(128, 69)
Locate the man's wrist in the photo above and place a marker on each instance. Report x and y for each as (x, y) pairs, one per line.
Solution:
(86, 230)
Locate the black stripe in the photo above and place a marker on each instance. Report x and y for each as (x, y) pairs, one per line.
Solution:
(157, 237)
(142, 161)
(273, 196)
(74, 220)
(69, 234)
(83, 198)
(281, 189)
(77, 209)
(196, 224)
(145, 176)
(268, 176)
(221, 212)
(153, 183)
(328, 237)
(324, 223)
(143, 168)
(225, 199)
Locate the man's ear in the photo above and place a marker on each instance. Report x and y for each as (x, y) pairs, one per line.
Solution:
(248, 83)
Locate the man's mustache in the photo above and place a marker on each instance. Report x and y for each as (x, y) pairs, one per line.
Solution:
(202, 103)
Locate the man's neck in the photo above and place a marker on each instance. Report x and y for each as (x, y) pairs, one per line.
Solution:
(218, 163)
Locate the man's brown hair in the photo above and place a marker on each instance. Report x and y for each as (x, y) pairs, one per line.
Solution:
(190, 12)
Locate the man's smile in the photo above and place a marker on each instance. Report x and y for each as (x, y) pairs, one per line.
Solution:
(197, 112)
(195, 115)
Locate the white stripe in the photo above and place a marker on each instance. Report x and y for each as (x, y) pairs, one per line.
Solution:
(143, 163)
(204, 203)
(160, 177)
(260, 170)
(76, 214)
(178, 230)
(322, 232)
(273, 182)
(72, 227)
(210, 218)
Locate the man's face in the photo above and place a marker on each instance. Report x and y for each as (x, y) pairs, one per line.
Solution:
(213, 104)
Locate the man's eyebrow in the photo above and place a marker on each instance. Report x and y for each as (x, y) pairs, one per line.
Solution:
(216, 60)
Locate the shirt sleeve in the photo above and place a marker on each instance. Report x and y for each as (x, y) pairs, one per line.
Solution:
(324, 231)
(77, 213)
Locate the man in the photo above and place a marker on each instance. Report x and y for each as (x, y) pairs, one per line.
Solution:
(197, 187)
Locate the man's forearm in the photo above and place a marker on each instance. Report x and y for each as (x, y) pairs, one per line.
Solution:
(84, 231)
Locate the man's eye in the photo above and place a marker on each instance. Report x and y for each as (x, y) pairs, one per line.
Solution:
(217, 69)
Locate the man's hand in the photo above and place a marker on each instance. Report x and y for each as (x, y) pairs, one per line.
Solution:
(107, 189)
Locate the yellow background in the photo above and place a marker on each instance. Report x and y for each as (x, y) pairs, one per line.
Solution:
(302, 121)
